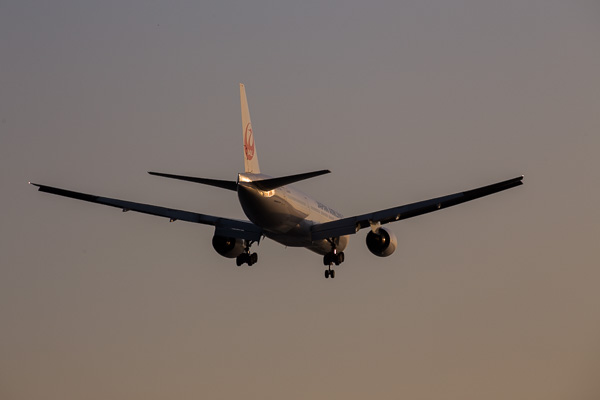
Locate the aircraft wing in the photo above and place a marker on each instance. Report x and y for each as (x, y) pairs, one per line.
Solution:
(223, 226)
(350, 225)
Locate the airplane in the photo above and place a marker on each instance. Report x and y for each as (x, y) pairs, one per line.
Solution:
(280, 212)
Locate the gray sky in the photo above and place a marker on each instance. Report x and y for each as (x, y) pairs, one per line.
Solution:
(403, 101)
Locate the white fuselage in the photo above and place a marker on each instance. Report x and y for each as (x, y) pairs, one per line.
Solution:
(286, 214)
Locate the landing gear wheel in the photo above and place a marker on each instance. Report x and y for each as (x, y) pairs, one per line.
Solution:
(246, 258)
(239, 260)
(326, 273)
(332, 273)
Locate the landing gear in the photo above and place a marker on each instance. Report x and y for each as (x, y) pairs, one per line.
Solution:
(331, 258)
(246, 257)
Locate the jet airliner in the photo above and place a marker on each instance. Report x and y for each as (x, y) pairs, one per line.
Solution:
(278, 211)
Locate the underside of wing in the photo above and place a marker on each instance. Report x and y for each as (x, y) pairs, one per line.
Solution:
(350, 225)
(224, 226)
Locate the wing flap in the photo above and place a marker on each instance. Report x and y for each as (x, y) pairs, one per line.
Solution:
(350, 225)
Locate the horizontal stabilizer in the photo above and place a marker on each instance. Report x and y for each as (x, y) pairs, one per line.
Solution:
(231, 185)
(274, 183)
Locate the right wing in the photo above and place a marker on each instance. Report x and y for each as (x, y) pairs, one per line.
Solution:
(223, 226)
(350, 225)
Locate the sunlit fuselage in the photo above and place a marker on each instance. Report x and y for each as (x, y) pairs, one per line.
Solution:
(286, 214)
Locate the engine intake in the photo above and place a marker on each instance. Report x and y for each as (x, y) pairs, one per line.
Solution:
(228, 247)
(382, 243)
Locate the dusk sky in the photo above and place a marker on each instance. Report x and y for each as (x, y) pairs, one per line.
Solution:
(403, 100)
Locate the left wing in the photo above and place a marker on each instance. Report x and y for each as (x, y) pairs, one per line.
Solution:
(224, 226)
(350, 225)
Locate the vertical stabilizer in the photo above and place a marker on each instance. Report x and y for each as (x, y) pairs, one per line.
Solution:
(250, 158)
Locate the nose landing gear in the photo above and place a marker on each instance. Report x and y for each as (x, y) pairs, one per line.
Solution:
(331, 258)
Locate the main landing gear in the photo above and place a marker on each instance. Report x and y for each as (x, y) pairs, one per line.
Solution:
(246, 257)
(332, 258)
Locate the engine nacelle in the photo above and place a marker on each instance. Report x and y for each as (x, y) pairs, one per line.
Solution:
(383, 243)
(228, 247)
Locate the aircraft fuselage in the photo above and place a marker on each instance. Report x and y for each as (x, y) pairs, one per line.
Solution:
(286, 214)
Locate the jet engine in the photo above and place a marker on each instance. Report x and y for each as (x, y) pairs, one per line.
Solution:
(228, 247)
(382, 243)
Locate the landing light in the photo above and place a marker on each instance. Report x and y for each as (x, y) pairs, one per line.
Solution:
(270, 193)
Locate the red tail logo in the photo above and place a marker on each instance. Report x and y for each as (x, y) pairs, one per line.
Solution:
(249, 142)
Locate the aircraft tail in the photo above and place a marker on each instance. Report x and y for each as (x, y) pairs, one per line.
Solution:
(250, 157)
